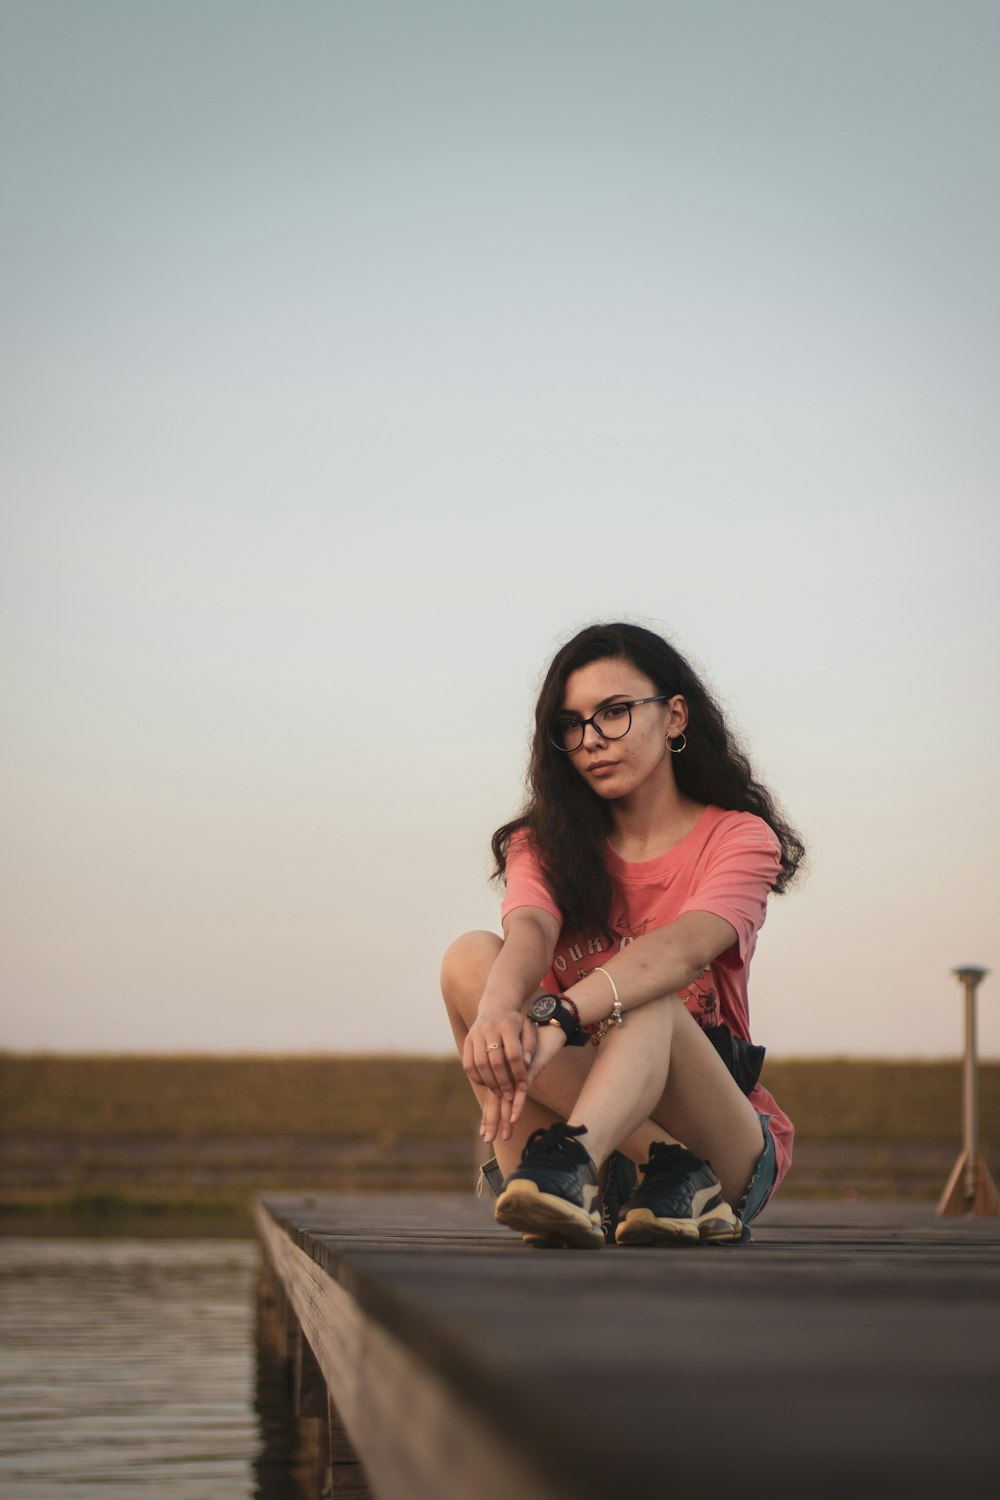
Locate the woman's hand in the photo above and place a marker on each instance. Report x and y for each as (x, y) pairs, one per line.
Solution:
(540, 1044)
(495, 1047)
(496, 1055)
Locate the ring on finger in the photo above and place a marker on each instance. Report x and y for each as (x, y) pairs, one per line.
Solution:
(493, 1046)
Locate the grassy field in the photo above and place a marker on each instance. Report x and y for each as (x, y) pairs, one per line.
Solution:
(390, 1098)
(101, 1136)
(356, 1098)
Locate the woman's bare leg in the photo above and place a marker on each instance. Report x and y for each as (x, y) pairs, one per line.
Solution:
(620, 1091)
(464, 973)
(666, 1081)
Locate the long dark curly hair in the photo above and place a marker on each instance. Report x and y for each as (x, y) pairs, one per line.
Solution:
(568, 823)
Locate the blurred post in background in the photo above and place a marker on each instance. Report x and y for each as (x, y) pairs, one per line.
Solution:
(970, 1188)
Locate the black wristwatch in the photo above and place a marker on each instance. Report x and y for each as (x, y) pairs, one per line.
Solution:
(552, 1010)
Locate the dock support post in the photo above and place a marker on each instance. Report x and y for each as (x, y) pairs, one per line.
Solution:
(970, 1189)
(306, 1447)
(347, 1477)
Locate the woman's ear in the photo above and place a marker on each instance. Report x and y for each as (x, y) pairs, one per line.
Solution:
(677, 715)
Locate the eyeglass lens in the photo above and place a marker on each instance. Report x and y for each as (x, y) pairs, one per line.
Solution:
(611, 723)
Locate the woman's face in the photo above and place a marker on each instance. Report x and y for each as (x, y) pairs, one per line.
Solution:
(615, 767)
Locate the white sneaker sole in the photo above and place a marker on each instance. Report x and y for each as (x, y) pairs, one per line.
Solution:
(641, 1227)
(544, 1217)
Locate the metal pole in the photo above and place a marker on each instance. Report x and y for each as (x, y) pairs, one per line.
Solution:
(970, 979)
(970, 1189)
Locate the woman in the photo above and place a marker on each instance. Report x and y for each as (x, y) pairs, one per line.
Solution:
(636, 881)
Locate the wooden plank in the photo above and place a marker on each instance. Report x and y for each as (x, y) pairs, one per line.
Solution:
(342, 1450)
(295, 1454)
(348, 1480)
(414, 1435)
(310, 1387)
(853, 1347)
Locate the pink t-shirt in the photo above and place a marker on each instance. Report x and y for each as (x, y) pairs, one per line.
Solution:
(727, 864)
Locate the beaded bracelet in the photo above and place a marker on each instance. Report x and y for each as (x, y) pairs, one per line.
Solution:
(600, 1029)
(573, 1007)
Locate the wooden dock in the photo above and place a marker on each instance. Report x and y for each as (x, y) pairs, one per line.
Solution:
(853, 1349)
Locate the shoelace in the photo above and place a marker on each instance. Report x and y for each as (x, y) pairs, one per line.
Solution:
(550, 1142)
(672, 1161)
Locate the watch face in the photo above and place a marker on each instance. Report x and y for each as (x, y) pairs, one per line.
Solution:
(544, 1008)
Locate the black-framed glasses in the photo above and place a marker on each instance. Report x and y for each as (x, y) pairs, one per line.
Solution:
(611, 723)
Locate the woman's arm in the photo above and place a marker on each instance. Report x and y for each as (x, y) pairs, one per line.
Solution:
(530, 936)
(658, 963)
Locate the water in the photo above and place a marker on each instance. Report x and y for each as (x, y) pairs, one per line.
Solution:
(129, 1367)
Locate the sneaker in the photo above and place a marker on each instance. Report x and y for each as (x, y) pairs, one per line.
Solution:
(551, 1196)
(621, 1180)
(678, 1202)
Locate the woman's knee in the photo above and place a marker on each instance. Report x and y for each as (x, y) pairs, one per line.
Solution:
(663, 1013)
(467, 963)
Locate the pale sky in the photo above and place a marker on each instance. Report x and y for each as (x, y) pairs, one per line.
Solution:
(356, 355)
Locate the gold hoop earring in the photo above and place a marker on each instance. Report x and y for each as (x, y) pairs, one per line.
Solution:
(676, 749)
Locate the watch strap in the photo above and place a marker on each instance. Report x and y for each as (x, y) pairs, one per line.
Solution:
(567, 1016)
